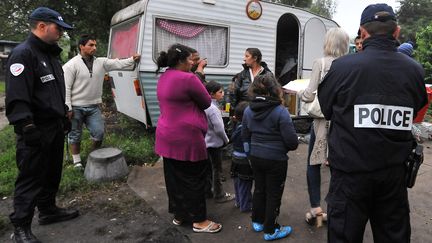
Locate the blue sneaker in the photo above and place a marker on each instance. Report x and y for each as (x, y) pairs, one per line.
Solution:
(280, 233)
(257, 227)
(286, 228)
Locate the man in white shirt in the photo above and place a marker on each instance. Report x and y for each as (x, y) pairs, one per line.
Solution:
(84, 75)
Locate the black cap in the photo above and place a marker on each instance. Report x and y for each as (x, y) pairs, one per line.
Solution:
(49, 15)
(369, 13)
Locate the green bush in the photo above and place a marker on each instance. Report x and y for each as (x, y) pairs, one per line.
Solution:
(423, 53)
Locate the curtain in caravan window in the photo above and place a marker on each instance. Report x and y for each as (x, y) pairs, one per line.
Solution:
(209, 41)
(124, 39)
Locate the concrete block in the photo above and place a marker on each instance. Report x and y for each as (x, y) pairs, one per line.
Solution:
(105, 164)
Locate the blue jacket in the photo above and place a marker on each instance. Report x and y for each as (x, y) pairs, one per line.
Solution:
(237, 141)
(268, 128)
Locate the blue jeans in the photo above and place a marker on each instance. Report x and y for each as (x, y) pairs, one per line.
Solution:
(313, 175)
(91, 116)
(243, 194)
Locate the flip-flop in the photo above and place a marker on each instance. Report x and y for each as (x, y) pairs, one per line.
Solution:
(311, 219)
(225, 198)
(177, 222)
(208, 228)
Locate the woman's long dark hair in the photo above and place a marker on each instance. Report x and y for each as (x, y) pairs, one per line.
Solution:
(255, 53)
(176, 53)
(266, 85)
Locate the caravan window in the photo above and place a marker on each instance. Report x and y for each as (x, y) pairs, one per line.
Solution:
(124, 39)
(209, 40)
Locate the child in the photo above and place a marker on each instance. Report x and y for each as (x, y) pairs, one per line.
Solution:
(215, 139)
(268, 133)
(240, 168)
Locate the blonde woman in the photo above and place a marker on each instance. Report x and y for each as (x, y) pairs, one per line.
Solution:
(336, 44)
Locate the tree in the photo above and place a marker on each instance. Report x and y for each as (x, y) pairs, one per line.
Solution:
(87, 16)
(295, 3)
(423, 53)
(324, 8)
(412, 16)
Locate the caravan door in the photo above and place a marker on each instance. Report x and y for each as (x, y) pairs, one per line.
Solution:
(126, 88)
(313, 41)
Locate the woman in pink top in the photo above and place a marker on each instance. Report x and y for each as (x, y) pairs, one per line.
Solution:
(180, 134)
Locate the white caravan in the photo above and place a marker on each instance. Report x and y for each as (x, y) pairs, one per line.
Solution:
(220, 30)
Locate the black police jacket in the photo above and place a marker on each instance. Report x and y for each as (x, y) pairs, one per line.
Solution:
(371, 99)
(35, 88)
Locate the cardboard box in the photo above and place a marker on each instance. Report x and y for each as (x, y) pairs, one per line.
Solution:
(292, 100)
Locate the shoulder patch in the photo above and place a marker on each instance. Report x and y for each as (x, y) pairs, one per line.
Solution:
(16, 69)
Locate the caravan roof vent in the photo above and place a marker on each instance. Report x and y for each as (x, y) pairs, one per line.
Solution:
(213, 2)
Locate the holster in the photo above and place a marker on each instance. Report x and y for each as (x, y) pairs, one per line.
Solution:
(415, 159)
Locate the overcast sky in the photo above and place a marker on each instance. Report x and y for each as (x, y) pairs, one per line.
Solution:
(348, 13)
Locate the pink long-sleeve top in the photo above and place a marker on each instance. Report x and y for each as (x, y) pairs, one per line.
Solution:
(182, 124)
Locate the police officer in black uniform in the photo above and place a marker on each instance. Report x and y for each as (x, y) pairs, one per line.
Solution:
(371, 99)
(35, 106)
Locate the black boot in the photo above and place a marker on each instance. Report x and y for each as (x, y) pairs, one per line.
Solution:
(56, 214)
(23, 234)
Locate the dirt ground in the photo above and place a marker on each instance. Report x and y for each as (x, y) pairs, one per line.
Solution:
(116, 214)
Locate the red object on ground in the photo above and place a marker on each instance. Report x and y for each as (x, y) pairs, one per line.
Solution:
(421, 114)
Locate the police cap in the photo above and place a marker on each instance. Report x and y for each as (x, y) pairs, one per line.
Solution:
(49, 15)
(370, 13)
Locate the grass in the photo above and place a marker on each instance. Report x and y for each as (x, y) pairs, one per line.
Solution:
(135, 142)
(8, 169)
(4, 224)
(2, 87)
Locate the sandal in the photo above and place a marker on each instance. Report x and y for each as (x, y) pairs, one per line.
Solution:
(225, 198)
(176, 222)
(208, 228)
(316, 219)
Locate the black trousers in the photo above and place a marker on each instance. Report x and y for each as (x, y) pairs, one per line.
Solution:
(185, 183)
(215, 158)
(270, 176)
(380, 196)
(39, 173)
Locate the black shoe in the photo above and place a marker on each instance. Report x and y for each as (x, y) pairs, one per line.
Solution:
(23, 234)
(56, 214)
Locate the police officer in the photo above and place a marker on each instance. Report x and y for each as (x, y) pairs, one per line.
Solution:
(35, 106)
(371, 99)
